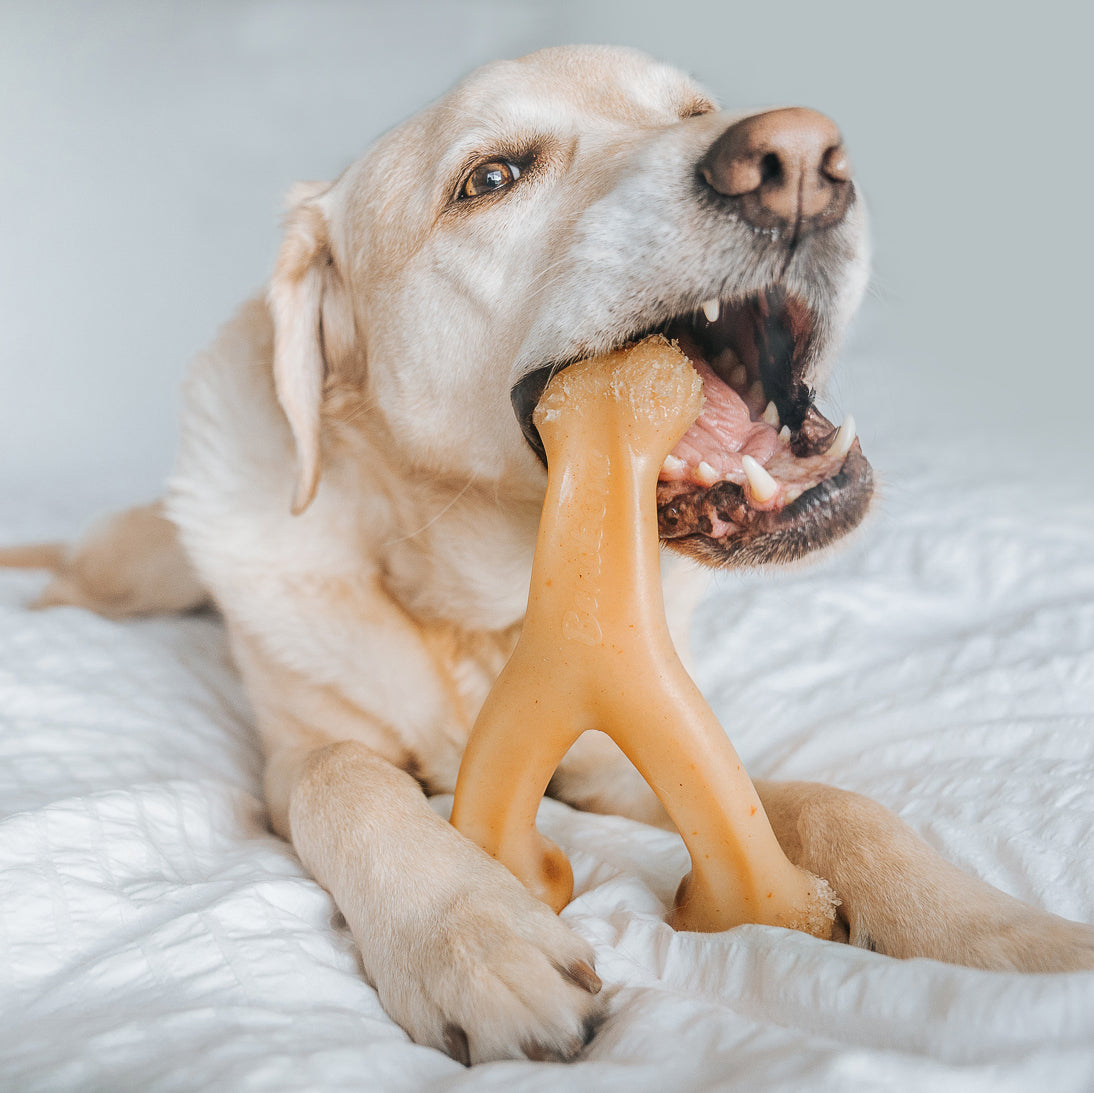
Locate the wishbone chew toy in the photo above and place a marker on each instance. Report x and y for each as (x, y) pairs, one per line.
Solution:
(595, 653)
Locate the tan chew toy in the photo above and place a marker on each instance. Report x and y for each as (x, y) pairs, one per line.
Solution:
(595, 653)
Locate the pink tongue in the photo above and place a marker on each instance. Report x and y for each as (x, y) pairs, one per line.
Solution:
(722, 433)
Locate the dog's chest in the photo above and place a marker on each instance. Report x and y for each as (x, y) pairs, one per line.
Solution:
(467, 662)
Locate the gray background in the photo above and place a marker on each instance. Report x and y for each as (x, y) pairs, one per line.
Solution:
(145, 148)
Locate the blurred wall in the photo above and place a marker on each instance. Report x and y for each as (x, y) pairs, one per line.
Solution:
(145, 147)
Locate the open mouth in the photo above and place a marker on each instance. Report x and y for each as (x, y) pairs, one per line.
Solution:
(762, 475)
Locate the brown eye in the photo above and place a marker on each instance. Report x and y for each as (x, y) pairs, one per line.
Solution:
(487, 177)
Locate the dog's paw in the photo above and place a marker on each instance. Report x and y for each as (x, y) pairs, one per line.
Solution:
(937, 911)
(997, 933)
(491, 974)
(1034, 941)
(899, 897)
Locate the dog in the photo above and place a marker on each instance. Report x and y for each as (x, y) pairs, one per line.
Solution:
(359, 483)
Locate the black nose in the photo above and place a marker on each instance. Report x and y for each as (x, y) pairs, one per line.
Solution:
(782, 169)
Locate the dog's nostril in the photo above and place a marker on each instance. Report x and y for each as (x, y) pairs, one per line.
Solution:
(771, 170)
(836, 164)
(782, 169)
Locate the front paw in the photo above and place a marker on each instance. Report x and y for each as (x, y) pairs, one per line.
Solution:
(991, 931)
(491, 973)
(898, 896)
(1034, 941)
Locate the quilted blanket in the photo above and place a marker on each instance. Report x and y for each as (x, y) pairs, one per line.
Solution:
(155, 936)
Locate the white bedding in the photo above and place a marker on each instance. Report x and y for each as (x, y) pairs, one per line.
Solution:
(155, 936)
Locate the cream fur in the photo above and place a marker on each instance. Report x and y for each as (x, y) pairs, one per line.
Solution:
(369, 395)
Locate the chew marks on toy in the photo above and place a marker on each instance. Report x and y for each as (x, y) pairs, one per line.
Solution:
(595, 653)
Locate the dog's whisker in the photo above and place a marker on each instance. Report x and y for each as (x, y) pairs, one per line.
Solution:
(433, 519)
(360, 408)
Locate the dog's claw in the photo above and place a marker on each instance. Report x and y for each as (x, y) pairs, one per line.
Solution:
(582, 974)
(455, 1043)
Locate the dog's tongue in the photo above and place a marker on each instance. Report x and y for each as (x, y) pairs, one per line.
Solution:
(712, 448)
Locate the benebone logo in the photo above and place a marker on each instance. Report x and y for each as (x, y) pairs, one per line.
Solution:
(581, 623)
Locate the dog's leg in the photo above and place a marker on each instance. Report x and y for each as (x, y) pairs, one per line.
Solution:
(902, 898)
(128, 564)
(898, 896)
(461, 955)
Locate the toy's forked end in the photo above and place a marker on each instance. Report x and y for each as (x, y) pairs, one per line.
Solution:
(796, 900)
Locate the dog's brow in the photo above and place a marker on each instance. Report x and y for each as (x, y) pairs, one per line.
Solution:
(700, 104)
(495, 138)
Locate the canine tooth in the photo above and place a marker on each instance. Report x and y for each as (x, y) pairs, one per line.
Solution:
(844, 438)
(762, 485)
(712, 309)
(793, 493)
(784, 434)
(771, 415)
(739, 377)
(706, 474)
(673, 464)
(756, 392)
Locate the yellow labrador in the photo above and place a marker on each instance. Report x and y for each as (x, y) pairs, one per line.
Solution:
(358, 490)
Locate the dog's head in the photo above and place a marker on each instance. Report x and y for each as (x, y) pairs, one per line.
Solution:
(556, 206)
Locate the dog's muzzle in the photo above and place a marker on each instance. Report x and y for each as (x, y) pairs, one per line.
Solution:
(785, 170)
(762, 476)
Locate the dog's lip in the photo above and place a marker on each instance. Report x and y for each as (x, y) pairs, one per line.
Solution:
(732, 514)
(718, 525)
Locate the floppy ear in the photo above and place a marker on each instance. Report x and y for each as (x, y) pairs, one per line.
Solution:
(302, 278)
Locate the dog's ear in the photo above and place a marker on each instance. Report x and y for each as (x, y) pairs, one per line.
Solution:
(313, 322)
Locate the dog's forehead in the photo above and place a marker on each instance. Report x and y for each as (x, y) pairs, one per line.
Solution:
(555, 93)
(579, 85)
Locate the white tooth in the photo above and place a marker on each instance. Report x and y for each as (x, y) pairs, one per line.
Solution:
(706, 474)
(792, 494)
(844, 438)
(712, 309)
(771, 415)
(739, 377)
(756, 392)
(761, 484)
(784, 434)
(673, 465)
